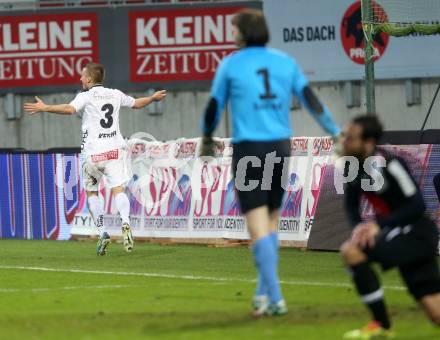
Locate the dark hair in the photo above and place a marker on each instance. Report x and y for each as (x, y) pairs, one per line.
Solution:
(252, 27)
(96, 72)
(371, 126)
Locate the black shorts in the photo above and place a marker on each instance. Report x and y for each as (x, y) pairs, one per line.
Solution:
(413, 249)
(270, 188)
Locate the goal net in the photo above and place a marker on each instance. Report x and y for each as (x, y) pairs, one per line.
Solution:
(402, 17)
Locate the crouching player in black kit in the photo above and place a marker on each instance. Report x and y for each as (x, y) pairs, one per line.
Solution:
(400, 236)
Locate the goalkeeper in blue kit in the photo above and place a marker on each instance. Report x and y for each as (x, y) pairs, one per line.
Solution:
(259, 83)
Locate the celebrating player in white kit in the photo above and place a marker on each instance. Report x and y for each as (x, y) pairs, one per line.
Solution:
(102, 145)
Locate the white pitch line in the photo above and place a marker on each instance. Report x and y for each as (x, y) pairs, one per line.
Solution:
(39, 290)
(189, 277)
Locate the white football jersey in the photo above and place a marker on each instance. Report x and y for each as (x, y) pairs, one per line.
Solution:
(100, 118)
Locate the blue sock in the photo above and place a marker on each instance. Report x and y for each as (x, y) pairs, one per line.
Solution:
(274, 238)
(261, 287)
(266, 260)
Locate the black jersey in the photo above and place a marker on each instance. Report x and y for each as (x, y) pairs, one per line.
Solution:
(398, 202)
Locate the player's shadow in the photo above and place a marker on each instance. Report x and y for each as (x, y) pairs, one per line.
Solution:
(195, 322)
(141, 252)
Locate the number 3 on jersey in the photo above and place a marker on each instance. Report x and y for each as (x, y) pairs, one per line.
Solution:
(108, 109)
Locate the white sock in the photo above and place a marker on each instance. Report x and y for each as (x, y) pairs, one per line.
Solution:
(96, 208)
(123, 205)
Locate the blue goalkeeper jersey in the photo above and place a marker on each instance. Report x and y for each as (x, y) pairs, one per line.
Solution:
(259, 83)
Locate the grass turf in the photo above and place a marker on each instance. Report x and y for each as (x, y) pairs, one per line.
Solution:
(175, 294)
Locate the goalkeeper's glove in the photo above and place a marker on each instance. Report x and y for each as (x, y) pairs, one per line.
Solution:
(207, 148)
(338, 150)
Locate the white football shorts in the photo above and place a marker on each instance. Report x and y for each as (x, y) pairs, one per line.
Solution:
(112, 165)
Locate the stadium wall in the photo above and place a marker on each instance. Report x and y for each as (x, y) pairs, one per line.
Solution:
(180, 118)
(182, 111)
(110, 35)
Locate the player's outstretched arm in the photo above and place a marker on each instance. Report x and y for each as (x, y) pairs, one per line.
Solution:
(214, 109)
(208, 124)
(322, 115)
(301, 88)
(320, 112)
(40, 106)
(156, 97)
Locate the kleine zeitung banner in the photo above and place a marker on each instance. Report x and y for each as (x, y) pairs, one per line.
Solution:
(46, 49)
(176, 45)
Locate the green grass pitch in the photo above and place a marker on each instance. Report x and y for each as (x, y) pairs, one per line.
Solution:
(62, 290)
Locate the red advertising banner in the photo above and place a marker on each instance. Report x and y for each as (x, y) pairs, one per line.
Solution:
(183, 44)
(39, 50)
